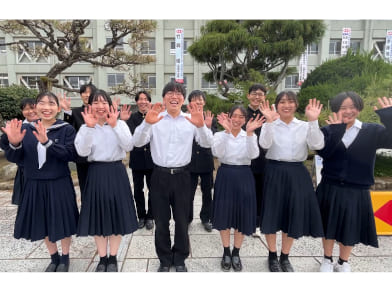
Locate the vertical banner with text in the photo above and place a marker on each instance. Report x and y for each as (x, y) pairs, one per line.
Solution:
(303, 66)
(388, 46)
(179, 47)
(346, 36)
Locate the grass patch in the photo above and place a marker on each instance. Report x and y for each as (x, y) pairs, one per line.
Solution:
(383, 166)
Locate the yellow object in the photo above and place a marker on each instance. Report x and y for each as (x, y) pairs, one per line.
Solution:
(379, 199)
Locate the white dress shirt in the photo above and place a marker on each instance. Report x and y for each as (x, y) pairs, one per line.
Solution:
(350, 134)
(171, 139)
(232, 150)
(104, 143)
(290, 142)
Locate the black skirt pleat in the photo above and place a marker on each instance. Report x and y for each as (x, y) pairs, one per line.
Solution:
(289, 202)
(108, 207)
(48, 208)
(347, 214)
(17, 193)
(234, 203)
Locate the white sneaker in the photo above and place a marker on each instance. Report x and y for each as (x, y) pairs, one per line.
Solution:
(257, 234)
(342, 268)
(326, 266)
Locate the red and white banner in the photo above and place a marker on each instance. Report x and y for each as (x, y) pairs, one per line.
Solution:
(303, 66)
(346, 36)
(179, 43)
(388, 46)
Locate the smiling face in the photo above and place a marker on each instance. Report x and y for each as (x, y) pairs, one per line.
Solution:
(47, 109)
(173, 101)
(100, 108)
(143, 103)
(286, 108)
(237, 120)
(348, 111)
(255, 98)
(85, 95)
(30, 112)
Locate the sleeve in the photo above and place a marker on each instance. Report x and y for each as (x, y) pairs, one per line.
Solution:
(333, 135)
(384, 138)
(218, 147)
(68, 116)
(143, 134)
(314, 137)
(252, 147)
(214, 126)
(124, 135)
(131, 124)
(66, 151)
(203, 136)
(266, 135)
(84, 140)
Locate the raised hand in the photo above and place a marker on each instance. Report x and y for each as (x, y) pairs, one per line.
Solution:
(89, 118)
(208, 116)
(125, 112)
(13, 131)
(255, 123)
(335, 118)
(268, 112)
(152, 114)
(40, 132)
(112, 116)
(116, 102)
(384, 102)
(196, 112)
(313, 110)
(225, 122)
(65, 103)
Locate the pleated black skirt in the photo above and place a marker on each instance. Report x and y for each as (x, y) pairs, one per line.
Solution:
(17, 193)
(48, 208)
(108, 207)
(289, 202)
(234, 203)
(347, 214)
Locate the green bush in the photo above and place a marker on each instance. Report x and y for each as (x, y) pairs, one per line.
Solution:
(383, 166)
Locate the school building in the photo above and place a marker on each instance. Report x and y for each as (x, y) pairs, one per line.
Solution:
(18, 67)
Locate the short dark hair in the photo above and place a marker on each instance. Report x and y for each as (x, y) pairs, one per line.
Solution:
(174, 86)
(337, 101)
(26, 101)
(256, 87)
(49, 94)
(142, 92)
(235, 107)
(84, 87)
(97, 94)
(196, 93)
(291, 96)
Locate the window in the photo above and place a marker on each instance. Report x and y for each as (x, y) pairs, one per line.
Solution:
(291, 82)
(120, 46)
(2, 46)
(378, 49)
(33, 54)
(115, 79)
(335, 47)
(355, 45)
(173, 47)
(207, 85)
(173, 79)
(4, 80)
(30, 82)
(75, 82)
(313, 48)
(149, 82)
(148, 47)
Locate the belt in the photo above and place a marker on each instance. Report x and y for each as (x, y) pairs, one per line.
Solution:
(172, 170)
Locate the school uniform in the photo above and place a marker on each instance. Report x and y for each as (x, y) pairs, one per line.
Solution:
(234, 203)
(107, 208)
(74, 117)
(48, 206)
(171, 150)
(289, 202)
(347, 174)
(202, 165)
(140, 162)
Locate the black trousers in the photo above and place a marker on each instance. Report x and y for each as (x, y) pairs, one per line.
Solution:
(138, 193)
(171, 191)
(206, 183)
(82, 169)
(259, 181)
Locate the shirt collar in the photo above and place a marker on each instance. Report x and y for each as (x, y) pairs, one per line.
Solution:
(357, 124)
(294, 121)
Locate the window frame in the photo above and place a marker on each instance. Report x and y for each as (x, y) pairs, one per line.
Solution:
(116, 83)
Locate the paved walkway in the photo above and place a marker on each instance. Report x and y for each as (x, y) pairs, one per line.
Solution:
(137, 251)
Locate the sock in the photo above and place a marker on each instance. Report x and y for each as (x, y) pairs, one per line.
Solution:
(272, 255)
(283, 256)
(55, 258)
(236, 251)
(328, 257)
(112, 259)
(226, 251)
(103, 259)
(340, 261)
(64, 259)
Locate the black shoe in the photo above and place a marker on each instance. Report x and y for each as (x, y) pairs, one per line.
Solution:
(51, 267)
(207, 226)
(274, 265)
(141, 223)
(236, 262)
(181, 268)
(101, 268)
(226, 263)
(149, 224)
(286, 265)
(62, 267)
(112, 267)
(163, 268)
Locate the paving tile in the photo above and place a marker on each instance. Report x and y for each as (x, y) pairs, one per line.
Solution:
(141, 247)
(13, 248)
(369, 264)
(93, 265)
(134, 265)
(384, 248)
(7, 228)
(8, 212)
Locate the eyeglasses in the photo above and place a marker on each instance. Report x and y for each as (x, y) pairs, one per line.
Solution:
(257, 94)
(237, 116)
(172, 94)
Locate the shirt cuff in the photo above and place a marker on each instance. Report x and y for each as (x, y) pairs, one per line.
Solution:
(47, 144)
(15, 147)
(314, 123)
(69, 112)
